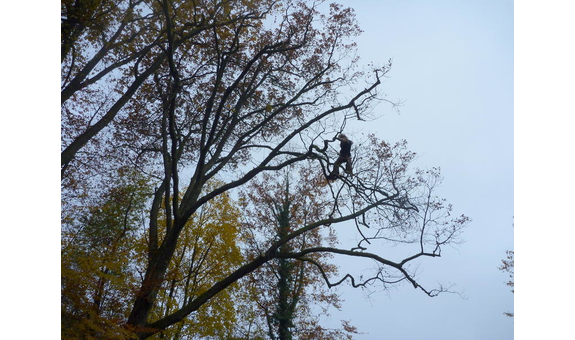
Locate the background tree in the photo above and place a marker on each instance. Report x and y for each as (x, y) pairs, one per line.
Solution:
(285, 296)
(98, 277)
(183, 92)
(507, 266)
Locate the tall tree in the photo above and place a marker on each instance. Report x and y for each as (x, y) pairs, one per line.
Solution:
(186, 91)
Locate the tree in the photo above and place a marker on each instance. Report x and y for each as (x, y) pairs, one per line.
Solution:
(280, 295)
(97, 276)
(507, 266)
(186, 91)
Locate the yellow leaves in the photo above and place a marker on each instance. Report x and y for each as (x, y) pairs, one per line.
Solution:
(100, 261)
(97, 276)
(207, 251)
(85, 296)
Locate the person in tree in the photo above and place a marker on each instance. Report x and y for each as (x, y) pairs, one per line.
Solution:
(344, 157)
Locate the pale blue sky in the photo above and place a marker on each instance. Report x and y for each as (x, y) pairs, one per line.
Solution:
(453, 68)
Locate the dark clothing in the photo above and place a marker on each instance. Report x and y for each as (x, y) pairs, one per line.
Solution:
(344, 157)
(345, 150)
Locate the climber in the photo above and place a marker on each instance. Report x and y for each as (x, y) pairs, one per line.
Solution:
(344, 157)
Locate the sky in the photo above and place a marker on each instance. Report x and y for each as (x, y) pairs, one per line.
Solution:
(453, 64)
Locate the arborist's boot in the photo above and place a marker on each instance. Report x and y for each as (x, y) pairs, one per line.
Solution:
(348, 168)
(332, 177)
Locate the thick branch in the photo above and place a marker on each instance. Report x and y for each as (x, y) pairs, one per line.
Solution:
(205, 297)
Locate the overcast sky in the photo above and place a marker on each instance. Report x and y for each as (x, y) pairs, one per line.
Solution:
(453, 70)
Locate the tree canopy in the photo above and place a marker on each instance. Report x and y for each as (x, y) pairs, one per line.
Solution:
(170, 107)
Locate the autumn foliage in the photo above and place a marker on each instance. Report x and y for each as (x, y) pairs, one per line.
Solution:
(196, 136)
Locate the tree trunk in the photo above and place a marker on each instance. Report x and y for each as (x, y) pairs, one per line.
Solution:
(152, 282)
(285, 309)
